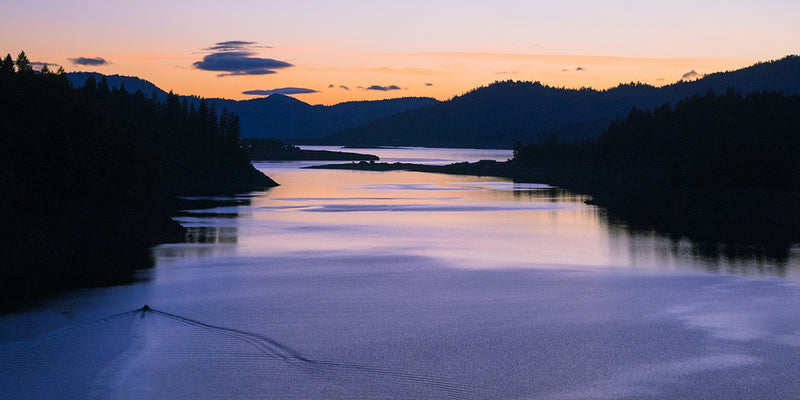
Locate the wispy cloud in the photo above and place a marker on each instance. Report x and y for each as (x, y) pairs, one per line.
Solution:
(692, 75)
(236, 45)
(91, 61)
(383, 88)
(286, 90)
(235, 57)
(37, 65)
(344, 87)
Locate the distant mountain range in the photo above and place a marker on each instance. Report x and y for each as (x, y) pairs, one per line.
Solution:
(500, 114)
(278, 116)
(132, 83)
(497, 115)
(286, 118)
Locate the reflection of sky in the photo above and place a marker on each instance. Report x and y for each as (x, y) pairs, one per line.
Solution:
(475, 222)
(466, 221)
(471, 291)
(420, 155)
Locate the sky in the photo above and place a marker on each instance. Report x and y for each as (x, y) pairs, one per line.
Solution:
(326, 52)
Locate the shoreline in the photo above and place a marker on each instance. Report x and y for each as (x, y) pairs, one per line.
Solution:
(87, 245)
(758, 223)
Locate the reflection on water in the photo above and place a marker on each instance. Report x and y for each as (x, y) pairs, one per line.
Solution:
(467, 222)
(211, 234)
(652, 247)
(743, 249)
(464, 221)
(211, 225)
(424, 155)
(341, 285)
(477, 223)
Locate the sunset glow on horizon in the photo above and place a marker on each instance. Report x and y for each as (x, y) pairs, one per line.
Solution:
(330, 52)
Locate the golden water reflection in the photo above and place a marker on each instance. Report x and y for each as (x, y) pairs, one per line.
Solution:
(457, 221)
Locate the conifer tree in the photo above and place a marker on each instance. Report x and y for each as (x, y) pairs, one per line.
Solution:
(212, 118)
(102, 86)
(90, 86)
(202, 111)
(24, 65)
(7, 69)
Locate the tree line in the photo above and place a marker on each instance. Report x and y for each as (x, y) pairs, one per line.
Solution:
(499, 114)
(705, 141)
(87, 169)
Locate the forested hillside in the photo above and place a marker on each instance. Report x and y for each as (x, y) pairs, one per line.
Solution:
(714, 168)
(500, 114)
(85, 173)
(710, 141)
(276, 116)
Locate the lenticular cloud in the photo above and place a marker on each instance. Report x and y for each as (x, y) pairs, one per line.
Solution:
(236, 57)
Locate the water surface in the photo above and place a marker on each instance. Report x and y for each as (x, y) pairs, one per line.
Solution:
(348, 284)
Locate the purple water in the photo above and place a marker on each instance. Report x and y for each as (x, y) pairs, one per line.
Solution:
(341, 285)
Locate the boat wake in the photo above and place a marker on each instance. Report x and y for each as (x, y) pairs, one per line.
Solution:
(149, 353)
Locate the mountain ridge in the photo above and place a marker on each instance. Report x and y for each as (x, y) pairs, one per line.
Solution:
(505, 112)
(277, 116)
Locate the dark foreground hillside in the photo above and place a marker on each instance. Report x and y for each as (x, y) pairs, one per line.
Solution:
(88, 174)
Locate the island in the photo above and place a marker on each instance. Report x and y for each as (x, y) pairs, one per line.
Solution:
(276, 150)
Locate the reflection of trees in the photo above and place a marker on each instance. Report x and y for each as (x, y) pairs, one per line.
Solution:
(210, 228)
(721, 170)
(552, 195)
(729, 255)
(212, 234)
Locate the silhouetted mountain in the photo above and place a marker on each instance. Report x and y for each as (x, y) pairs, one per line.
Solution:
(284, 117)
(506, 112)
(132, 83)
(277, 116)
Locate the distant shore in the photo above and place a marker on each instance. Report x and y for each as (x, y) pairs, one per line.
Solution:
(276, 150)
(724, 222)
(316, 155)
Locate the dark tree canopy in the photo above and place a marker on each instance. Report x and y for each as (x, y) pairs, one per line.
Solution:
(24, 66)
(85, 170)
(7, 68)
(728, 140)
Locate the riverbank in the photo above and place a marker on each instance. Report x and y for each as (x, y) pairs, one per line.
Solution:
(66, 246)
(729, 223)
(89, 176)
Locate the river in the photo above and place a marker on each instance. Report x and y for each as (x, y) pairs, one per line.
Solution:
(375, 285)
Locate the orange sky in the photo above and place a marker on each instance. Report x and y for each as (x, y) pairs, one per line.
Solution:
(347, 50)
(441, 75)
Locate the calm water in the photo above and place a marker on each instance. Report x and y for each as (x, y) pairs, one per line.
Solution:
(343, 285)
